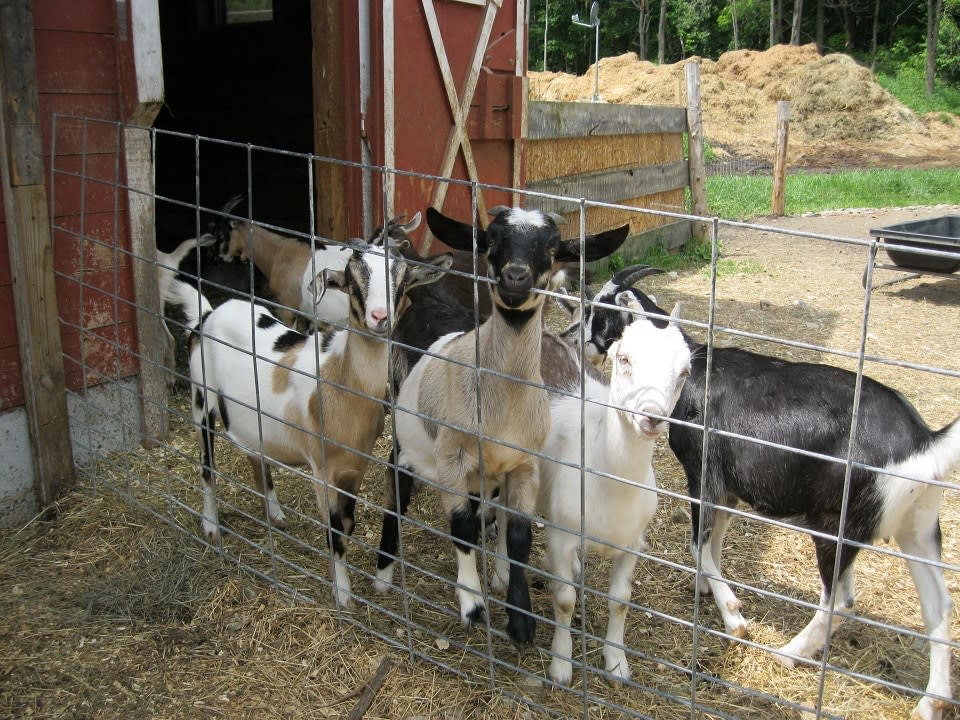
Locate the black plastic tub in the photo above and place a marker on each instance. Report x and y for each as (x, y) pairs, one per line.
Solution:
(942, 233)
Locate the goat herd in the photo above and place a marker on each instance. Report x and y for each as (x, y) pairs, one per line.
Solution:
(493, 410)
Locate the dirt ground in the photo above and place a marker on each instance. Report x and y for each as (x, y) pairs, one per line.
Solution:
(840, 116)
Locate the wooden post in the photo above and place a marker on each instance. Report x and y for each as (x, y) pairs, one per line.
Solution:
(31, 255)
(138, 58)
(778, 198)
(329, 88)
(698, 172)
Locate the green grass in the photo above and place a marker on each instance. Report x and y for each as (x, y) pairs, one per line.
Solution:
(909, 87)
(743, 197)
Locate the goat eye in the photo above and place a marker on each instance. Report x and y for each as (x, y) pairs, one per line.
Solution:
(623, 360)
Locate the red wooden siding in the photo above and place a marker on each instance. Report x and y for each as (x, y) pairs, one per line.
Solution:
(77, 74)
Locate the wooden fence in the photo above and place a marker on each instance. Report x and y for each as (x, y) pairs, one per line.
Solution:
(622, 154)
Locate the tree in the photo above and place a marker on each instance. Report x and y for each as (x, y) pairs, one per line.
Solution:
(934, 10)
(662, 32)
(795, 27)
(733, 23)
(643, 25)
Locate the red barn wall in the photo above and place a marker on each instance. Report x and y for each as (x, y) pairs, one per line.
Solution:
(77, 74)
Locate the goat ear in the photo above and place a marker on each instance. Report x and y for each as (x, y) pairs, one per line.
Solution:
(327, 278)
(413, 224)
(496, 210)
(454, 233)
(595, 247)
(429, 271)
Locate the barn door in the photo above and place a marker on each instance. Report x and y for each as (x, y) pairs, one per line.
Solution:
(453, 101)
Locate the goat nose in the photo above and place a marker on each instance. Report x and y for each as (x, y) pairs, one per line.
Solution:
(379, 316)
(516, 274)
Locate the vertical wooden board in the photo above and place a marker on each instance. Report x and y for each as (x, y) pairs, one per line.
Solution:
(90, 16)
(76, 62)
(330, 138)
(43, 379)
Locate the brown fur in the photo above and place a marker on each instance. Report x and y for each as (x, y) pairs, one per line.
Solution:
(282, 259)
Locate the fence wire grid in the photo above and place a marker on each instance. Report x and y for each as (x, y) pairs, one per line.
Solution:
(682, 662)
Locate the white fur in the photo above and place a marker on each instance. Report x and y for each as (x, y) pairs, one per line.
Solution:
(612, 506)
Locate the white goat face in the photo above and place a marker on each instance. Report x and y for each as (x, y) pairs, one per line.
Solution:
(650, 365)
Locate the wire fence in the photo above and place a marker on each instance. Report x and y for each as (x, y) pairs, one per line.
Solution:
(682, 661)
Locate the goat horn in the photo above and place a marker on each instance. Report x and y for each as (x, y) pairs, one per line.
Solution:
(629, 275)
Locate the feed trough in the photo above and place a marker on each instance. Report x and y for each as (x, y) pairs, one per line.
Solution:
(940, 233)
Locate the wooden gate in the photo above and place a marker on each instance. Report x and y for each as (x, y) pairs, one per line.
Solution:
(447, 99)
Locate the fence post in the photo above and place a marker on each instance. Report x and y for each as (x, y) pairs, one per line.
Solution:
(698, 174)
(30, 241)
(778, 199)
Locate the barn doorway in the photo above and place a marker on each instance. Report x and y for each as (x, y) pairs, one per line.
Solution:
(235, 72)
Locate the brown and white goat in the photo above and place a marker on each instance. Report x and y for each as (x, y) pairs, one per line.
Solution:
(314, 400)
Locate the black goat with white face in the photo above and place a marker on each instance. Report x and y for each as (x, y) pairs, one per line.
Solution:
(894, 490)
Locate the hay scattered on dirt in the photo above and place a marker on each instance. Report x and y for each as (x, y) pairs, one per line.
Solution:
(840, 115)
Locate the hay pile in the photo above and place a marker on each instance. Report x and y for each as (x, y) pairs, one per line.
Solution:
(840, 115)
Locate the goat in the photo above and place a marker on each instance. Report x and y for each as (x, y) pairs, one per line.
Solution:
(460, 282)
(308, 400)
(442, 443)
(168, 267)
(290, 267)
(896, 459)
(612, 504)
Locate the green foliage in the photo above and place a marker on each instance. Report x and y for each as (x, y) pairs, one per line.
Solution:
(615, 263)
(744, 197)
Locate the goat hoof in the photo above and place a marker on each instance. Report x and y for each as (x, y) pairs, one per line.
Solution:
(383, 582)
(521, 628)
(738, 631)
(928, 709)
(475, 616)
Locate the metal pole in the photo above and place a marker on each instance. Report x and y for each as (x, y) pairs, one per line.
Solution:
(596, 57)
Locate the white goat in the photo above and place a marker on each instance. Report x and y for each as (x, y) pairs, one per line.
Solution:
(610, 504)
(306, 400)
(523, 249)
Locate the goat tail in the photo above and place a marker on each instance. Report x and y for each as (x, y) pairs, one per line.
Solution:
(945, 449)
(191, 301)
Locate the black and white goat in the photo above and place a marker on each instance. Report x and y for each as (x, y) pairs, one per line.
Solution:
(895, 487)
(168, 267)
(442, 441)
(313, 400)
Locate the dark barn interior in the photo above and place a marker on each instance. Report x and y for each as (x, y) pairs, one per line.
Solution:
(233, 79)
